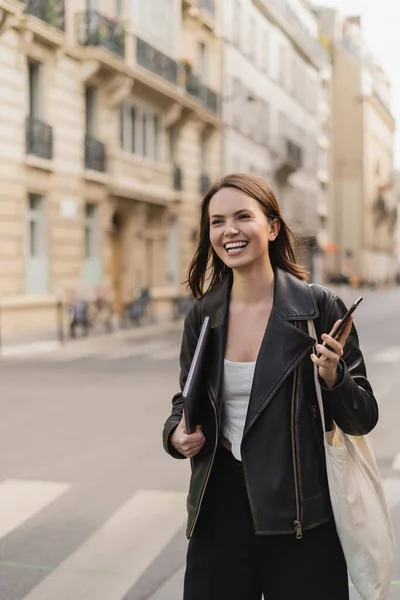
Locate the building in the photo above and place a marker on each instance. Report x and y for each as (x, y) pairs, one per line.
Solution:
(109, 135)
(364, 212)
(273, 118)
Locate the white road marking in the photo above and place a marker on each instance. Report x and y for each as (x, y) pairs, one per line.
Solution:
(36, 348)
(21, 500)
(390, 355)
(391, 486)
(396, 463)
(138, 349)
(111, 561)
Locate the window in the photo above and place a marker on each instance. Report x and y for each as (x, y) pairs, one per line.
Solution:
(203, 62)
(35, 89)
(142, 131)
(156, 134)
(133, 129)
(34, 225)
(265, 52)
(252, 40)
(36, 259)
(91, 231)
(173, 252)
(236, 22)
(91, 110)
(92, 263)
(119, 7)
(203, 153)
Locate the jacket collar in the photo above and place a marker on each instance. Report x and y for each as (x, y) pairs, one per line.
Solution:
(293, 299)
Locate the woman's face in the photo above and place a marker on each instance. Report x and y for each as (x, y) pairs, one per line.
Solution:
(239, 230)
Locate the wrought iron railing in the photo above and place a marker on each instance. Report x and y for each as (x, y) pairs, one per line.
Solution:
(201, 92)
(39, 138)
(95, 154)
(177, 178)
(155, 61)
(49, 11)
(205, 183)
(211, 99)
(93, 29)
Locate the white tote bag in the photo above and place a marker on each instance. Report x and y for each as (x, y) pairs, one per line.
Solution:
(359, 507)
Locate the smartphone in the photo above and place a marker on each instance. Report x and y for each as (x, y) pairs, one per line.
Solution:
(340, 328)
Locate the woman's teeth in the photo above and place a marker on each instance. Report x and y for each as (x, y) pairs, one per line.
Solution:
(235, 248)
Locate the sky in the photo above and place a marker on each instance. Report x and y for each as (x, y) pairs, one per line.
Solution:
(380, 24)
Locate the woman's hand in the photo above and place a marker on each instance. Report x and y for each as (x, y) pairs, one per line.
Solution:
(188, 444)
(328, 361)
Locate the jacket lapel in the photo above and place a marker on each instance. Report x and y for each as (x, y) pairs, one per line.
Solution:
(283, 346)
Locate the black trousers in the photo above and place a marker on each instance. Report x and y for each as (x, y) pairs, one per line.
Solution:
(227, 561)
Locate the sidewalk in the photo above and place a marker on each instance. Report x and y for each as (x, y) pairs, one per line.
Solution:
(87, 344)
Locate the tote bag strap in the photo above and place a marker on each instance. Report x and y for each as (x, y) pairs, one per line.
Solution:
(312, 333)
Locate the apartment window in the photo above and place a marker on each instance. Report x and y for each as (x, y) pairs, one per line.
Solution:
(142, 131)
(91, 110)
(91, 231)
(35, 226)
(133, 128)
(236, 22)
(92, 263)
(119, 7)
(252, 39)
(36, 260)
(173, 253)
(203, 62)
(35, 89)
(265, 52)
(203, 153)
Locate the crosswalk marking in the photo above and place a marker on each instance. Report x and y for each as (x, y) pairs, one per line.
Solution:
(110, 562)
(391, 486)
(147, 349)
(390, 355)
(21, 500)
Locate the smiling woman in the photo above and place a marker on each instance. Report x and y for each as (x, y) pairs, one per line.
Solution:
(258, 503)
(241, 209)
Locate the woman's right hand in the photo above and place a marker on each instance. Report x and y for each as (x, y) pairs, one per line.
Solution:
(188, 444)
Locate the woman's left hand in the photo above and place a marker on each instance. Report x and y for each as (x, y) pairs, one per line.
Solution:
(328, 361)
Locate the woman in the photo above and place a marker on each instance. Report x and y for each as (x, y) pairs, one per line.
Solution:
(259, 514)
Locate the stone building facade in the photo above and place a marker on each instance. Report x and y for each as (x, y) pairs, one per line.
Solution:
(109, 135)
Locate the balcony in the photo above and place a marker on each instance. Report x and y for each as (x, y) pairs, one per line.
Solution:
(155, 61)
(177, 177)
(205, 184)
(95, 154)
(49, 11)
(198, 90)
(39, 138)
(93, 29)
(290, 159)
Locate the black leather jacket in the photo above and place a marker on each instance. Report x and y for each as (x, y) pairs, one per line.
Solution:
(282, 448)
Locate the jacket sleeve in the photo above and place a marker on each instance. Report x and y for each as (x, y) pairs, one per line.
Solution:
(188, 347)
(350, 401)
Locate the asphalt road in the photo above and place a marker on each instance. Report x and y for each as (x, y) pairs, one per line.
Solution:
(90, 506)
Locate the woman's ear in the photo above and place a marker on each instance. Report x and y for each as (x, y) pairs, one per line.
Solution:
(274, 228)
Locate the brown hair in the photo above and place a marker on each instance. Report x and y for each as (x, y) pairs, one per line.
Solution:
(281, 250)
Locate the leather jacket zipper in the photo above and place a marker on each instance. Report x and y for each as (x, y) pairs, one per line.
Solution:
(297, 523)
(214, 406)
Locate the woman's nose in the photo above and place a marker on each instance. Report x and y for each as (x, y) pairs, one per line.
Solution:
(231, 229)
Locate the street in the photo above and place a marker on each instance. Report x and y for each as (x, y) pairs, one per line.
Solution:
(91, 507)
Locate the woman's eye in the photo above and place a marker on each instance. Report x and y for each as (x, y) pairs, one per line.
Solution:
(216, 222)
(244, 216)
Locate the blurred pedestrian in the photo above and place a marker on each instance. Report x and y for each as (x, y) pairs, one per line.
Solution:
(259, 512)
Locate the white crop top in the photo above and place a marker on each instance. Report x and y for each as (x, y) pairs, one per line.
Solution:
(236, 388)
